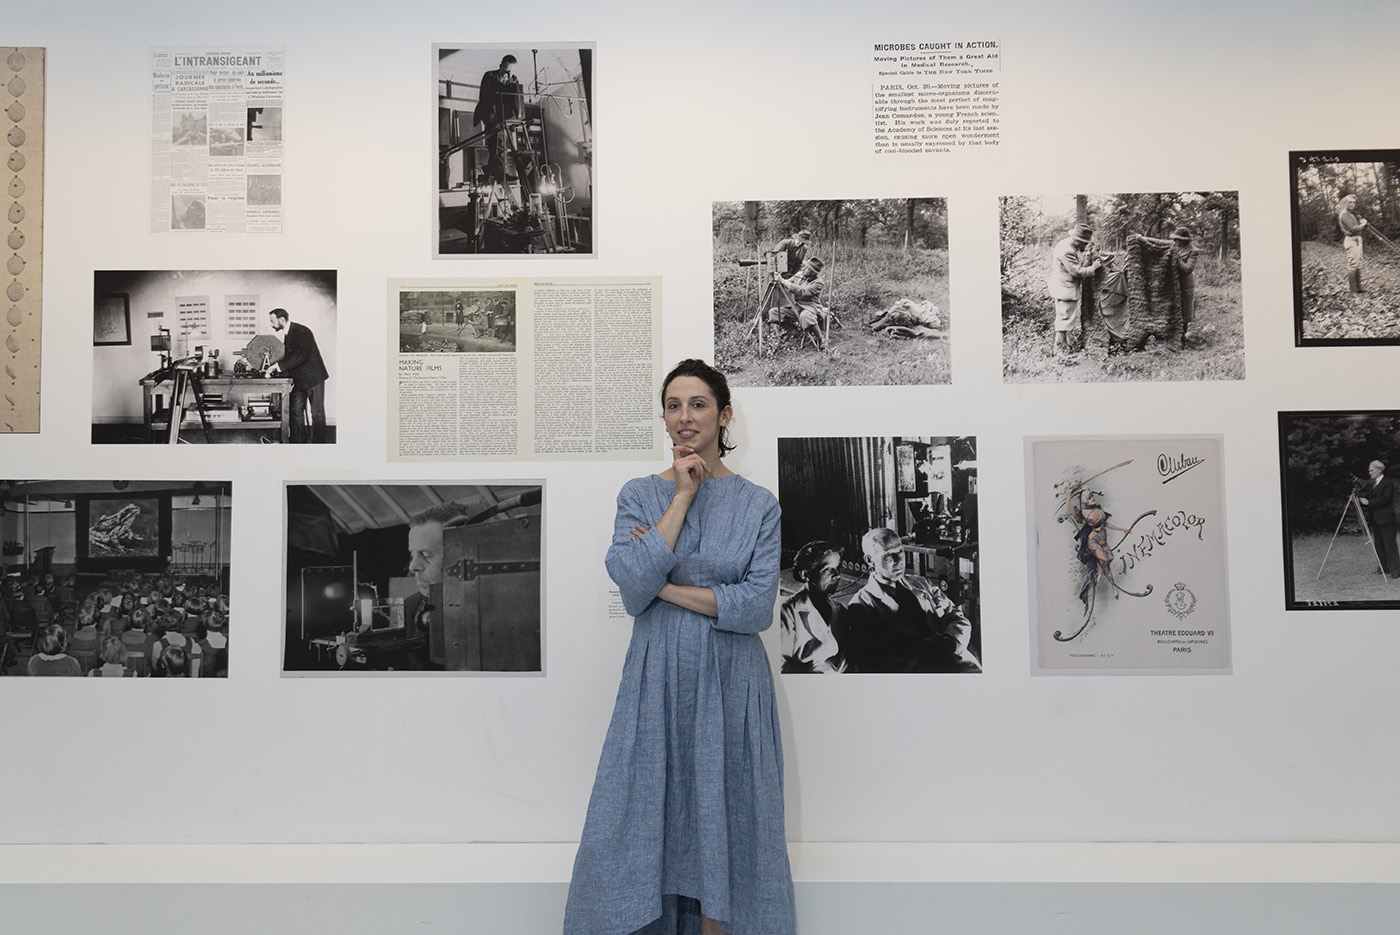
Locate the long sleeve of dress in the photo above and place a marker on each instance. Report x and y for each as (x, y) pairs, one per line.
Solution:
(638, 566)
(747, 606)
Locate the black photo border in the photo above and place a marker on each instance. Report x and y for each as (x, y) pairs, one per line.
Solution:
(1285, 417)
(1297, 159)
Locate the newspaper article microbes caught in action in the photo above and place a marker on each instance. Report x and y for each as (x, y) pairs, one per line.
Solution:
(937, 97)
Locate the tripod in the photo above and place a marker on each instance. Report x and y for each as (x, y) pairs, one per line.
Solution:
(183, 379)
(1354, 502)
(775, 295)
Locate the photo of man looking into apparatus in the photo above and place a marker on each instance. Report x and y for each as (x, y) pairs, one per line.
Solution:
(413, 579)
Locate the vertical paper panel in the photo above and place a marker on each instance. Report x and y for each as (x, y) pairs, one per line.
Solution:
(23, 104)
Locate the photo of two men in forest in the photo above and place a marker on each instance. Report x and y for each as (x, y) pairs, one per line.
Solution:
(1117, 287)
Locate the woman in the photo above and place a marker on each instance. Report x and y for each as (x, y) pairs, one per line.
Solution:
(808, 644)
(686, 817)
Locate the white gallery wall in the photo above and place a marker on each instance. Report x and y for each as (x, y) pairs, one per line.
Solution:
(698, 103)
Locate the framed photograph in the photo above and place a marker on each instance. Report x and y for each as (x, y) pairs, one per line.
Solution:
(515, 149)
(1340, 505)
(111, 319)
(1127, 555)
(236, 327)
(1346, 246)
(1117, 287)
(141, 569)
(833, 292)
(404, 580)
(880, 566)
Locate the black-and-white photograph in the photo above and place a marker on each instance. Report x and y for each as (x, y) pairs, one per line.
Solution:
(515, 149)
(1341, 500)
(880, 569)
(1119, 287)
(1346, 246)
(226, 141)
(264, 125)
(189, 128)
(456, 321)
(187, 211)
(413, 579)
(264, 190)
(117, 579)
(832, 293)
(216, 357)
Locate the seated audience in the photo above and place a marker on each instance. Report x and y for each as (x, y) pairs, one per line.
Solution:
(173, 663)
(49, 657)
(113, 656)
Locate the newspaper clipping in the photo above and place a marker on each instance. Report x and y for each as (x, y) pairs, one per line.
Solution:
(216, 139)
(937, 97)
(1128, 555)
(517, 369)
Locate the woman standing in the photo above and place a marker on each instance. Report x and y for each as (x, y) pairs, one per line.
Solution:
(685, 824)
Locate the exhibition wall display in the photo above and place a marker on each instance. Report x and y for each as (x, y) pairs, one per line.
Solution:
(1021, 222)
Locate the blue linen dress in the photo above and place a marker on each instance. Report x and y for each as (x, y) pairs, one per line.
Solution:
(688, 802)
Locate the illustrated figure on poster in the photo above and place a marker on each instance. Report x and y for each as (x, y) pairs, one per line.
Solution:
(1071, 262)
(301, 360)
(899, 622)
(808, 642)
(1351, 227)
(685, 828)
(1080, 506)
(791, 251)
(1381, 498)
(499, 101)
(806, 310)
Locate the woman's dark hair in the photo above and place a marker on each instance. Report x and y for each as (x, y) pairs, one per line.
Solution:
(174, 662)
(719, 388)
(52, 641)
(810, 556)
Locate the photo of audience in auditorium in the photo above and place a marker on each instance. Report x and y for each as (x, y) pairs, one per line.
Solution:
(124, 579)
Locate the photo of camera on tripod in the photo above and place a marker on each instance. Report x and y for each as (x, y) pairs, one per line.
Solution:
(1339, 528)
